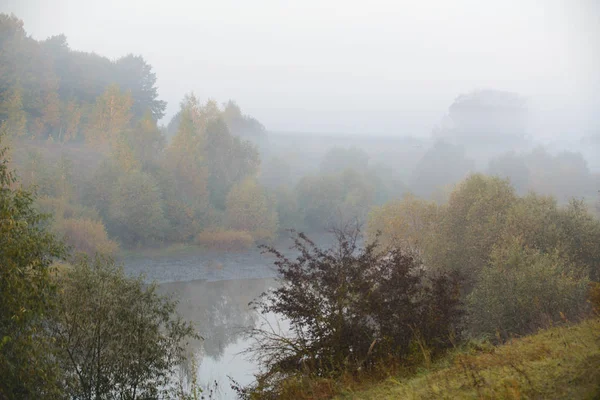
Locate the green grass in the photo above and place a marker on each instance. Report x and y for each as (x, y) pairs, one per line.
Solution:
(557, 363)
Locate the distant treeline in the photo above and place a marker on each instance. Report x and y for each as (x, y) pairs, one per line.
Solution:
(87, 139)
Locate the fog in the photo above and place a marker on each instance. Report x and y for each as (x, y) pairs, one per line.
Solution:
(400, 180)
(382, 67)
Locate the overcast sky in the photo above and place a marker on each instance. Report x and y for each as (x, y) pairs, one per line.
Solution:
(389, 67)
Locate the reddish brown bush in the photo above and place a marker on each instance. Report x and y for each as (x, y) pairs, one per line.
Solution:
(350, 307)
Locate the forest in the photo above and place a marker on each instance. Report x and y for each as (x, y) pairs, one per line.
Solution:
(462, 241)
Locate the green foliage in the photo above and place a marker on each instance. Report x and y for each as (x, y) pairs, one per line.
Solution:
(328, 201)
(442, 165)
(147, 141)
(27, 251)
(249, 210)
(99, 189)
(513, 288)
(275, 173)
(185, 158)
(12, 114)
(564, 175)
(288, 213)
(35, 173)
(136, 209)
(229, 161)
(472, 223)
(522, 290)
(135, 75)
(407, 224)
(117, 337)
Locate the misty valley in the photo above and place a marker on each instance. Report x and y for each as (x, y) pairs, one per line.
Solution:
(153, 251)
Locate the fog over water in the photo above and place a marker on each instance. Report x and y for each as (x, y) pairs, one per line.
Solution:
(338, 66)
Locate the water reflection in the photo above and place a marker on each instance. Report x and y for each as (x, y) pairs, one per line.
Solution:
(220, 312)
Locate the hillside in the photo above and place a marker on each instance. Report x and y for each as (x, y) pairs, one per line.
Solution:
(558, 363)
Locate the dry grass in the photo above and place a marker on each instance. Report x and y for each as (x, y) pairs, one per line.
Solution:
(558, 363)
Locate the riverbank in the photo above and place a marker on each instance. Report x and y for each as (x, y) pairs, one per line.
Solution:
(558, 363)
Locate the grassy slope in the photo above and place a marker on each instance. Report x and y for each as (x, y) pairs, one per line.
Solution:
(558, 363)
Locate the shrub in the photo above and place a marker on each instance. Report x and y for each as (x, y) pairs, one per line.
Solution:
(522, 290)
(225, 240)
(406, 223)
(136, 209)
(249, 210)
(85, 235)
(349, 307)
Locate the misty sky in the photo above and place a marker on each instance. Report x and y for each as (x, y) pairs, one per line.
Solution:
(390, 67)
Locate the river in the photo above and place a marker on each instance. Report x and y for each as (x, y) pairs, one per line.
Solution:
(214, 290)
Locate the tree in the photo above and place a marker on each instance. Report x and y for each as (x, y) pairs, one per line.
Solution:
(472, 223)
(70, 121)
(124, 155)
(407, 224)
(118, 338)
(36, 173)
(241, 125)
(328, 201)
(135, 75)
(486, 123)
(514, 168)
(27, 251)
(136, 209)
(522, 290)
(564, 175)
(442, 165)
(111, 115)
(185, 157)
(229, 160)
(275, 173)
(51, 112)
(64, 178)
(319, 198)
(146, 140)
(249, 209)
(12, 114)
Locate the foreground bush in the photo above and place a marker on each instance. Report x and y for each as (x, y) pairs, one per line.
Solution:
(522, 290)
(225, 240)
(27, 250)
(348, 308)
(116, 336)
